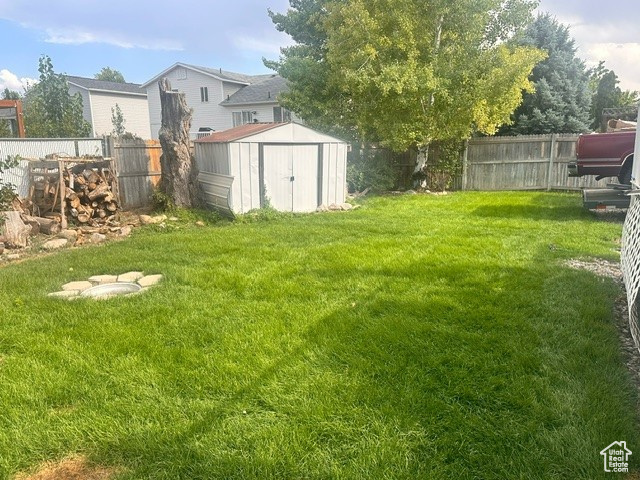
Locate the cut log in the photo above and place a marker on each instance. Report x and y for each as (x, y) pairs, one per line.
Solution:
(112, 206)
(99, 192)
(91, 176)
(45, 225)
(15, 232)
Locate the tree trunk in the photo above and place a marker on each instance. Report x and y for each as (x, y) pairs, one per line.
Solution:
(16, 233)
(420, 170)
(179, 178)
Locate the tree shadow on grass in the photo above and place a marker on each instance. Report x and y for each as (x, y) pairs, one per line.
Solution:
(443, 380)
(532, 212)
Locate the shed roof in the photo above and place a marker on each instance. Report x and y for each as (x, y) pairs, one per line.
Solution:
(104, 86)
(280, 133)
(236, 133)
(265, 91)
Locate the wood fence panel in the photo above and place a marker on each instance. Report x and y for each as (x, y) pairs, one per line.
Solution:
(536, 162)
(138, 167)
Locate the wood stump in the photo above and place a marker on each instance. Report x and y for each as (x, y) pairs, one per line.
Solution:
(179, 178)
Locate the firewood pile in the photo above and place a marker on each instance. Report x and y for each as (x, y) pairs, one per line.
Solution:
(88, 196)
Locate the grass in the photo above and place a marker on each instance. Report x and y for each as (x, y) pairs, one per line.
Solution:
(416, 337)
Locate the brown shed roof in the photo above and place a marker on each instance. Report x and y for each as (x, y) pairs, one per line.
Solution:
(236, 133)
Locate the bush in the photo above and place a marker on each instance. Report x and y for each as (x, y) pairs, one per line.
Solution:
(370, 168)
(444, 164)
(7, 190)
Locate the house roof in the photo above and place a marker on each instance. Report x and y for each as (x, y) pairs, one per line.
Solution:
(236, 133)
(102, 86)
(264, 91)
(217, 73)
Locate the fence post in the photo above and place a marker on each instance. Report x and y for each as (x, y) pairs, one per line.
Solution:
(465, 166)
(552, 155)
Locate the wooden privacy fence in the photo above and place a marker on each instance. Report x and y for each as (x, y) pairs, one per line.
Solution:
(138, 166)
(528, 162)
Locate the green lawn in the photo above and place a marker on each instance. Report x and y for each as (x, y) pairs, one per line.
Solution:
(416, 337)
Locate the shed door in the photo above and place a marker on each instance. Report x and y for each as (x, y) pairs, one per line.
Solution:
(291, 177)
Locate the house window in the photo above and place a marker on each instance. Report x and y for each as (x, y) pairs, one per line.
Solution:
(281, 115)
(204, 94)
(240, 118)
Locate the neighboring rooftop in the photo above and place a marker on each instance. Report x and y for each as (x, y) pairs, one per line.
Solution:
(265, 91)
(103, 86)
(214, 72)
(236, 133)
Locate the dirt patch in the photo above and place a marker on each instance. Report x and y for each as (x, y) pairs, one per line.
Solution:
(604, 268)
(73, 468)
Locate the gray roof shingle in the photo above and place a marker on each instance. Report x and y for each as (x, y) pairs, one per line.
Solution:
(93, 84)
(266, 90)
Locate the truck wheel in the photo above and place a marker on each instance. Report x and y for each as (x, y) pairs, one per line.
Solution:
(625, 174)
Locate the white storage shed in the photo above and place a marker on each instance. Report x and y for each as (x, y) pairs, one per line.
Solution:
(287, 165)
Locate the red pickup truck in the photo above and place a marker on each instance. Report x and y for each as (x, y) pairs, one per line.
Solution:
(604, 155)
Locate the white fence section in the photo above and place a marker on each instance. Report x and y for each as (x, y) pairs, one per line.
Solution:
(40, 148)
(630, 252)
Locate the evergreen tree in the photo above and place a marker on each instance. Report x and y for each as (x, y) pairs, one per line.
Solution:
(562, 99)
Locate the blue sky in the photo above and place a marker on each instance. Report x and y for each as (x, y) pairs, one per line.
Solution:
(141, 39)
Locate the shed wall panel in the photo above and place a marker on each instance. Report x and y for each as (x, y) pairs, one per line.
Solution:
(213, 157)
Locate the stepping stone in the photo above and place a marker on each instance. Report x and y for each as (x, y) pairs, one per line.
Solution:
(149, 280)
(78, 286)
(98, 238)
(55, 244)
(64, 294)
(101, 279)
(130, 277)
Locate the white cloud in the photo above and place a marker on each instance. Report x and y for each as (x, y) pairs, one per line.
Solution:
(79, 37)
(602, 34)
(12, 82)
(622, 58)
(269, 47)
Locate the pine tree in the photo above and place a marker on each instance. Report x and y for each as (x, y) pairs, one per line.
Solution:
(562, 100)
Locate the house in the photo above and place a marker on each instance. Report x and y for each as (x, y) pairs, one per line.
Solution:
(99, 97)
(285, 165)
(220, 99)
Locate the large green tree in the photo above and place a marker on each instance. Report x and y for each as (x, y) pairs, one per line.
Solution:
(561, 101)
(406, 72)
(607, 94)
(109, 74)
(50, 110)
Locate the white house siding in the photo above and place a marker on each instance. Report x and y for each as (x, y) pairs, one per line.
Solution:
(134, 111)
(205, 114)
(229, 89)
(86, 104)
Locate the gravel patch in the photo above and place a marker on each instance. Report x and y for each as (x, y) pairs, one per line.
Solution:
(607, 269)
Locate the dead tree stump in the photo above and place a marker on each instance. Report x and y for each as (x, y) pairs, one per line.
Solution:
(14, 231)
(179, 179)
